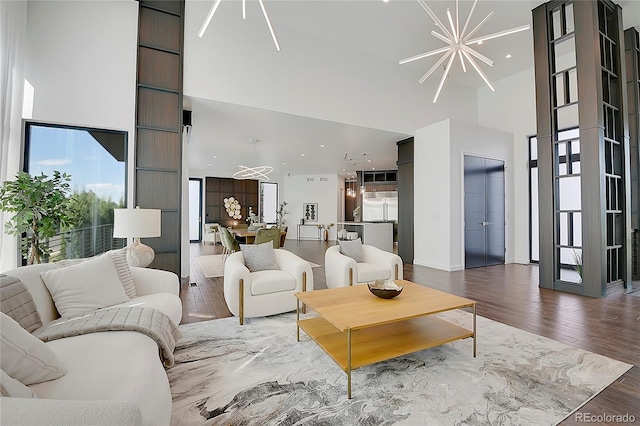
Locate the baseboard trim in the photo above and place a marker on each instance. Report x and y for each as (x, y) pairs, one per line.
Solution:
(448, 268)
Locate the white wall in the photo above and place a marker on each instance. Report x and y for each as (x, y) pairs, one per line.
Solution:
(439, 150)
(512, 108)
(321, 189)
(81, 60)
(432, 196)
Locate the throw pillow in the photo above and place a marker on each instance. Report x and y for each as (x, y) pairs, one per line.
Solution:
(353, 249)
(17, 302)
(87, 286)
(25, 357)
(124, 272)
(12, 387)
(259, 257)
(122, 268)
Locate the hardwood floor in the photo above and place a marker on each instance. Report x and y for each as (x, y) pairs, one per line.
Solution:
(509, 294)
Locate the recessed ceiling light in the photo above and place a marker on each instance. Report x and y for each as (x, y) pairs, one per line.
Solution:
(369, 160)
(322, 146)
(373, 168)
(215, 156)
(284, 164)
(208, 164)
(302, 155)
(508, 56)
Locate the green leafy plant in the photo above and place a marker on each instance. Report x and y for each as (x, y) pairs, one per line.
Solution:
(577, 260)
(40, 205)
(282, 213)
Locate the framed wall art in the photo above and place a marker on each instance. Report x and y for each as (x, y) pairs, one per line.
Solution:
(310, 212)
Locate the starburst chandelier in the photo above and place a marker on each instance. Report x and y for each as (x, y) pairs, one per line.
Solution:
(459, 45)
(214, 7)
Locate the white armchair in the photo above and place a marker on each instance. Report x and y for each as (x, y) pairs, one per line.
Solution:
(269, 292)
(210, 233)
(342, 271)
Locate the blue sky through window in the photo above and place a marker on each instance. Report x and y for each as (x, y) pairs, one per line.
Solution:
(76, 152)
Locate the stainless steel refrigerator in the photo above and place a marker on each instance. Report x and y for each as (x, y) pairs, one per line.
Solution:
(380, 206)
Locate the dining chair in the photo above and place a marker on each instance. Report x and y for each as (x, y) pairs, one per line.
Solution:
(229, 244)
(270, 234)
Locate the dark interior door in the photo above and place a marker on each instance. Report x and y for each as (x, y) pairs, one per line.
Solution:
(484, 215)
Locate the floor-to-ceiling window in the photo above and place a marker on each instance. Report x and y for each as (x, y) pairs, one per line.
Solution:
(269, 202)
(96, 161)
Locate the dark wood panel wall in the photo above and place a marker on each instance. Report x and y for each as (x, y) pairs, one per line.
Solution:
(158, 157)
(405, 200)
(217, 189)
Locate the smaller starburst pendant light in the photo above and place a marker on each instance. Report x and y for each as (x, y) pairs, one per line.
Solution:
(214, 7)
(257, 172)
(459, 45)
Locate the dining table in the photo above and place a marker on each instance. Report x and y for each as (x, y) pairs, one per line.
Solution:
(248, 235)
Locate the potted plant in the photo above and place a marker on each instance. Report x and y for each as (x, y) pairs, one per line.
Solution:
(577, 260)
(41, 210)
(282, 213)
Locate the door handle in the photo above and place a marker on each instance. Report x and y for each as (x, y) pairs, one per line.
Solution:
(484, 223)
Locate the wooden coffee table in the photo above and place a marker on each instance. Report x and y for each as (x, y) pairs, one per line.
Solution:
(356, 328)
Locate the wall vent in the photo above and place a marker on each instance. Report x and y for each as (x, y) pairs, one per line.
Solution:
(311, 179)
(324, 179)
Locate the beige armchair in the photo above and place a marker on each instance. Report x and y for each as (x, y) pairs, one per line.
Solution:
(210, 233)
(370, 264)
(265, 292)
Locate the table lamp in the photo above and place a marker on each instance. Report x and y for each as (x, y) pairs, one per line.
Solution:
(137, 223)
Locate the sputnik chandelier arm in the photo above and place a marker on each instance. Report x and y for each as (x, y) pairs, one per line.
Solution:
(459, 44)
(214, 7)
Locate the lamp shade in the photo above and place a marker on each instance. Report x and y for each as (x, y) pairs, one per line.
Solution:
(136, 223)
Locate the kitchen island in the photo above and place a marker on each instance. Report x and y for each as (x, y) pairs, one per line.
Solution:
(377, 234)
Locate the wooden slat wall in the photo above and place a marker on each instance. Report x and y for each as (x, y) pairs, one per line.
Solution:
(217, 189)
(159, 123)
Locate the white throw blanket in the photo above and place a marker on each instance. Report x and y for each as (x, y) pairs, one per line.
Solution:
(151, 322)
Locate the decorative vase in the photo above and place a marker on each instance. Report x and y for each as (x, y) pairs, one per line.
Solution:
(326, 235)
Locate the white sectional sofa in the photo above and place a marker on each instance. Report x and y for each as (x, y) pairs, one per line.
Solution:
(112, 377)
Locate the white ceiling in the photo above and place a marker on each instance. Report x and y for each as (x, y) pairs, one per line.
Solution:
(372, 31)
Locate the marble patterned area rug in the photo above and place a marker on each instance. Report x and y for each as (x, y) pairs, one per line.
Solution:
(258, 374)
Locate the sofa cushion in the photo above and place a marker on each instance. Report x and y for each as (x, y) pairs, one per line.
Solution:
(168, 303)
(25, 357)
(265, 282)
(259, 257)
(353, 249)
(86, 286)
(112, 365)
(371, 272)
(12, 387)
(17, 302)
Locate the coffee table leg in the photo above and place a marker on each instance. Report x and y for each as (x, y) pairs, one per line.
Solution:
(298, 320)
(474, 330)
(349, 363)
